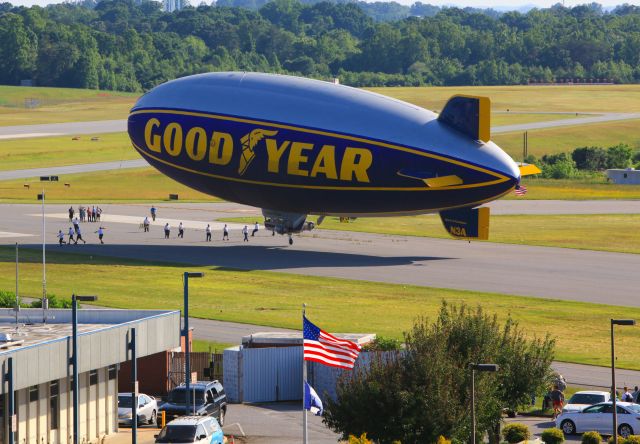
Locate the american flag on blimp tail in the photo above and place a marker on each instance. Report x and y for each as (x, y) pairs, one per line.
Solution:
(521, 190)
(322, 347)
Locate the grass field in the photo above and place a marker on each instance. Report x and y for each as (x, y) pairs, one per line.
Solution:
(570, 99)
(603, 232)
(56, 105)
(148, 185)
(564, 139)
(503, 118)
(128, 185)
(338, 305)
(41, 152)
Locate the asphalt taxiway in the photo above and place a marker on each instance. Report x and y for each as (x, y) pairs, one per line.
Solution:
(561, 273)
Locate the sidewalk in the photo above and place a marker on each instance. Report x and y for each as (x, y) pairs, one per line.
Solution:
(145, 436)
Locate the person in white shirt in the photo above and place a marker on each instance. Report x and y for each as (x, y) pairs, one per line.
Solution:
(100, 234)
(167, 230)
(79, 236)
(76, 224)
(71, 233)
(61, 238)
(145, 224)
(181, 230)
(255, 229)
(208, 231)
(225, 232)
(245, 232)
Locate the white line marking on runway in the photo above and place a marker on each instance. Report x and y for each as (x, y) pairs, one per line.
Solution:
(26, 135)
(10, 234)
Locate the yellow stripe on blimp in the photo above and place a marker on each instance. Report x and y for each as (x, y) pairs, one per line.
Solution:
(443, 181)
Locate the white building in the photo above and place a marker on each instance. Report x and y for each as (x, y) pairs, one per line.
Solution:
(627, 176)
(43, 375)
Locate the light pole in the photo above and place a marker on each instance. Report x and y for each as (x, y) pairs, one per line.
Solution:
(74, 360)
(479, 368)
(613, 374)
(45, 301)
(185, 333)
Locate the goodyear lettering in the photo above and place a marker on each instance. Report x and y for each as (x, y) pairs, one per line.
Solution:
(303, 159)
(296, 158)
(221, 148)
(152, 140)
(325, 163)
(196, 143)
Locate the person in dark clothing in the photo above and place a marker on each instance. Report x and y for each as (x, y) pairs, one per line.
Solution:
(557, 397)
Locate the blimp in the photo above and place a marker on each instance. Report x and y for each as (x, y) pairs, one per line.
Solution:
(294, 146)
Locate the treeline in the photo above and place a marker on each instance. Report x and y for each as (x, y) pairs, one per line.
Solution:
(586, 160)
(122, 46)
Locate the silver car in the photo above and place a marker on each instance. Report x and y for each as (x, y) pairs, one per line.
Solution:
(147, 409)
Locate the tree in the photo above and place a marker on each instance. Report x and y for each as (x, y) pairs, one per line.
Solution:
(591, 158)
(424, 392)
(619, 156)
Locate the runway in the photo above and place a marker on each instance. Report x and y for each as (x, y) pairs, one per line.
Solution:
(568, 274)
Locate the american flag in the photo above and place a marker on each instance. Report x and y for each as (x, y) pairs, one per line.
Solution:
(322, 347)
(521, 190)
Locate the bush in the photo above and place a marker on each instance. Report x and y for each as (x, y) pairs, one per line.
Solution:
(591, 158)
(516, 432)
(561, 169)
(552, 436)
(633, 439)
(619, 156)
(591, 438)
(7, 299)
(381, 343)
(361, 440)
(620, 440)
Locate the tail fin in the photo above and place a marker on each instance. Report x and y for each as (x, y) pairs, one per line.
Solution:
(467, 223)
(470, 115)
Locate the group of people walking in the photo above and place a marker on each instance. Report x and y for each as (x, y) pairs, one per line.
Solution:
(88, 214)
(75, 233)
(146, 223)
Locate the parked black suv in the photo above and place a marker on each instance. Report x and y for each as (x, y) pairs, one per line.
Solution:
(210, 400)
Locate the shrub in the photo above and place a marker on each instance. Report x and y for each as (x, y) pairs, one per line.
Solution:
(516, 432)
(381, 343)
(591, 438)
(633, 439)
(592, 158)
(620, 440)
(560, 169)
(552, 436)
(361, 440)
(619, 156)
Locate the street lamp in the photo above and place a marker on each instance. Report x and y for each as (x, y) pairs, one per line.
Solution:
(74, 360)
(185, 332)
(613, 374)
(45, 301)
(479, 368)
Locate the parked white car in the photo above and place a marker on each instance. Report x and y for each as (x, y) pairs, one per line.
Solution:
(580, 400)
(599, 418)
(147, 409)
(191, 429)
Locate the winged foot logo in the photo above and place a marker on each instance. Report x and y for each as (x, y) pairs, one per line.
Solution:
(290, 157)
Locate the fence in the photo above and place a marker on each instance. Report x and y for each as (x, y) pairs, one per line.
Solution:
(200, 364)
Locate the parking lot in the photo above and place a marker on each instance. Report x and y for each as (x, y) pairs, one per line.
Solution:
(269, 423)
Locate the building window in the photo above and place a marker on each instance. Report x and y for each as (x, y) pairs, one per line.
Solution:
(33, 393)
(53, 406)
(113, 371)
(93, 377)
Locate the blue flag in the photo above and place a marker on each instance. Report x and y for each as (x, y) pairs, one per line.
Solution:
(312, 401)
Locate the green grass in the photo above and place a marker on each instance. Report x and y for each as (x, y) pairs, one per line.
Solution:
(128, 185)
(338, 305)
(503, 118)
(200, 345)
(576, 189)
(16, 154)
(564, 139)
(569, 99)
(62, 105)
(603, 232)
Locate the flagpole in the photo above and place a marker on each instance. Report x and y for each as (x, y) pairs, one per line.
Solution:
(304, 380)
